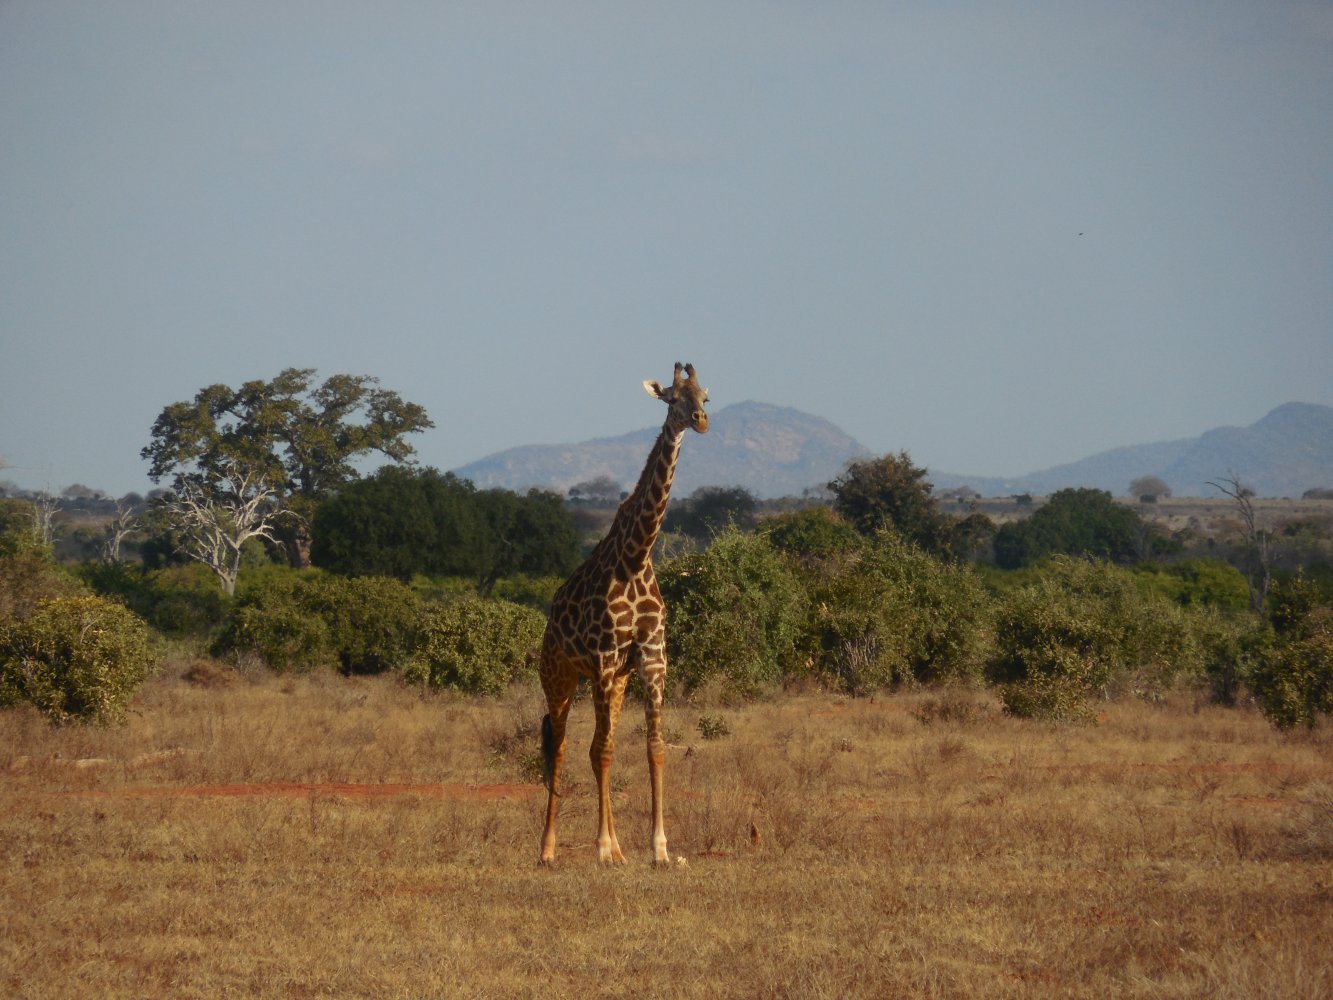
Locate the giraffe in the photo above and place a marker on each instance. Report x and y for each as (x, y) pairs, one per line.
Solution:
(608, 621)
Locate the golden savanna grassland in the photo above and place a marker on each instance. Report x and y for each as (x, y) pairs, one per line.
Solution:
(261, 836)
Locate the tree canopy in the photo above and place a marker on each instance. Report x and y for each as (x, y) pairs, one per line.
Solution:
(403, 521)
(710, 509)
(892, 492)
(301, 438)
(291, 439)
(1084, 522)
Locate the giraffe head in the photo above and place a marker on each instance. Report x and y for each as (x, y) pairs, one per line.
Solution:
(685, 399)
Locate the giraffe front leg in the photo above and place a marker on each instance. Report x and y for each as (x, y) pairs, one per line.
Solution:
(610, 694)
(653, 674)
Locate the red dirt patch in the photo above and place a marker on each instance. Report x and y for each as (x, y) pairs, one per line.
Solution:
(357, 792)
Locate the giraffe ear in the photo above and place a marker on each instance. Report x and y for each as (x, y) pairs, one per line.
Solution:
(655, 389)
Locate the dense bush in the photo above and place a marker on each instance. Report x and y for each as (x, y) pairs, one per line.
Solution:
(1079, 627)
(535, 592)
(372, 620)
(28, 574)
(735, 612)
(477, 645)
(1198, 582)
(895, 614)
(176, 600)
(300, 620)
(709, 509)
(1231, 647)
(75, 658)
(274, 622)
(812, 535)
(1082, 522)
(1294, 681)
(27, 577)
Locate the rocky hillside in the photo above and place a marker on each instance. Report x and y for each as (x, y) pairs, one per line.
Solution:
(773, 451)
(1284, 454)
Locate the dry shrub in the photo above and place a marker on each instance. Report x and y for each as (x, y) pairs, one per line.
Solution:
(1311, 833)
(210, 674)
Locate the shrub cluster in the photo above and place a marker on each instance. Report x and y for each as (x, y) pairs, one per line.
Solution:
(1293, 681)
(176, 600)
(75, 658)
(894, 614)
(298, 621)
(476, 645)
(807, 600)
(803, 599)
(736, 612)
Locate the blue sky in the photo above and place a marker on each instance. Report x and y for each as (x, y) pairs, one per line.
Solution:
(998, 235)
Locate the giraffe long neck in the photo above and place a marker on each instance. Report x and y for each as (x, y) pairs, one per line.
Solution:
(639, 518)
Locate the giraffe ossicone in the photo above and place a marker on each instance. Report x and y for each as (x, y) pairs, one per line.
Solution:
(608, 622)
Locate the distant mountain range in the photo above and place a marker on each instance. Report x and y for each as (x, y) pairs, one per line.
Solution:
(773, 451)
(1282, 455)
(777, 451)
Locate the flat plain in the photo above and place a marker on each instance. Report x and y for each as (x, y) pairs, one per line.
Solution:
(322, 836)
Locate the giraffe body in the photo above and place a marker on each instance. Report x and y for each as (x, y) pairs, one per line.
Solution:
(608, 622)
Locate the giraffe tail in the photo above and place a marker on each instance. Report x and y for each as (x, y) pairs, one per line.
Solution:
(548, 755)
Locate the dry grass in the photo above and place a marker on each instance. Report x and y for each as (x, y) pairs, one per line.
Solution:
(908, 846)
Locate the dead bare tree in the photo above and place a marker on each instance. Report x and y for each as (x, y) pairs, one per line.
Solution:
(217, 517)
(44, 508)
(1258, 570)
(120, 527)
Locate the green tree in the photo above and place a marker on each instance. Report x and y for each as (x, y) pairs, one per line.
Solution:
(1082, 522)
(532, 534)
(298, 438)
(709, 509)
(1149, 488)
(892, 491)
(599, 491)
(401, 521)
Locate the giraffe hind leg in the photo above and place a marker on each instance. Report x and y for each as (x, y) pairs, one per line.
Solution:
(559, 688)
(548, 754)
